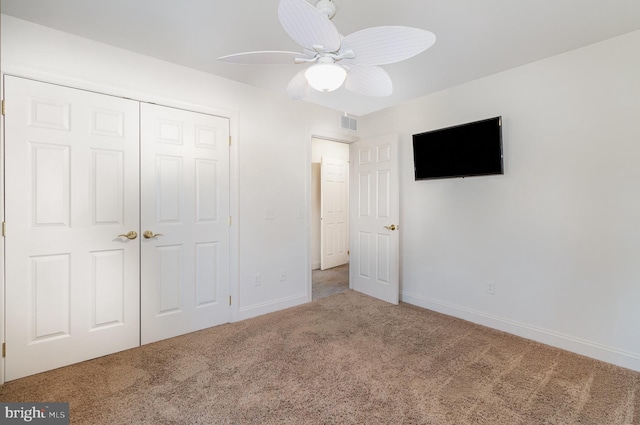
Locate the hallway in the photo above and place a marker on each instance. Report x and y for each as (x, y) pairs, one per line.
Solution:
(330, 281)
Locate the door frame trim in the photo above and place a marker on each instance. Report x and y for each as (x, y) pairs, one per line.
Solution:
(143, 97)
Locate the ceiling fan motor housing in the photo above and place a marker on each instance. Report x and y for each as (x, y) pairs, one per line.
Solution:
(328, 7)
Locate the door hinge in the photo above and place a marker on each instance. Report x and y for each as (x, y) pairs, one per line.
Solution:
(229, 299)
(229, 136)
(4, 229)
(4, 349)
(2, 106)
(229, 220)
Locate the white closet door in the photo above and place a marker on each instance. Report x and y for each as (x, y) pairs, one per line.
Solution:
(334, 207)
(185, 207)
(72, 284)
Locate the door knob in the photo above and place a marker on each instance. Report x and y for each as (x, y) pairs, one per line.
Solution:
(131, 235)
(148, 234)
(392, 227)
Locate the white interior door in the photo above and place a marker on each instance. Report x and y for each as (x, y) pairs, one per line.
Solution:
(71, 177)
(375, 212)
(185, 207)
(334, 212)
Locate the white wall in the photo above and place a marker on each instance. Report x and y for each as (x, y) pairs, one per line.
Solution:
(271, 146)
(559, 233)
(320, 148)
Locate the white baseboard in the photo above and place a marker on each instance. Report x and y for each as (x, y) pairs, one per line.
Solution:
(556, 339)
(271, 306)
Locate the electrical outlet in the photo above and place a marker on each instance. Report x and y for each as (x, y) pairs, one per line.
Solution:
(270, 213)
(257, 279)
(491, 288)
(283, 275)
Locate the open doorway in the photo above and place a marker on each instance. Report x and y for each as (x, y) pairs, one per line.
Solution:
(330, 281)
(329, 217)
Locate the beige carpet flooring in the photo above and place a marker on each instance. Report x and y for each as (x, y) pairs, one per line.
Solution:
(344, 359)
(330, 281)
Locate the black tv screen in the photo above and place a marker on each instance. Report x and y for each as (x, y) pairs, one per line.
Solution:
(473, 149)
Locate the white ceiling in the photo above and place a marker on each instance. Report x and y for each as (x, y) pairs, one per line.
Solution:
(475, 38)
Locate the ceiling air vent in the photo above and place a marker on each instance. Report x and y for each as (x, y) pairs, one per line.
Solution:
(349, 123)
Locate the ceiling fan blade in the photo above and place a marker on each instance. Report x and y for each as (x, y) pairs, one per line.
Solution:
(369, 80)
(307, 26)
(263, 58)
(384, 45)
(298, 86)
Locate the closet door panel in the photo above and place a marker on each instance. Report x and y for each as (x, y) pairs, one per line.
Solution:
(72, 188)
(185, 208)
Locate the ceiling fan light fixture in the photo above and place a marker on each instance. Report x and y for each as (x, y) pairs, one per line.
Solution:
(330, 56)
(325, 77)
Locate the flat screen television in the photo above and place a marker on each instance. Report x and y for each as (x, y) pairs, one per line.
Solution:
(472, 149)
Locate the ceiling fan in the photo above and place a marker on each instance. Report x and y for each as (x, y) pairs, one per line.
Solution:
(353, 60)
